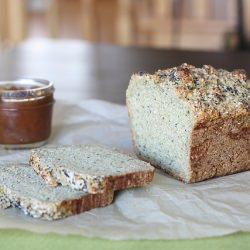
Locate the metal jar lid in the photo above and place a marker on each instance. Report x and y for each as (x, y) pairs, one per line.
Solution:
(25, 89)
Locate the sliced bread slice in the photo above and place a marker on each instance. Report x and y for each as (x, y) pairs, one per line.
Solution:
(21, 187)
(93, 169)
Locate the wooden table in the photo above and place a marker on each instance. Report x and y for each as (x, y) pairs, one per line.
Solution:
(81, 69)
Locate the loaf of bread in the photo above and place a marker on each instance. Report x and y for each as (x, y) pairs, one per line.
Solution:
(93, 169)
(21, 187)
(193, 123)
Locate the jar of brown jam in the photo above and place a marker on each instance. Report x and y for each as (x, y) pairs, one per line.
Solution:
(25, 112)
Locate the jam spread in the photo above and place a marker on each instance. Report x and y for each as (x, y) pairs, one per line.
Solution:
(25, 113)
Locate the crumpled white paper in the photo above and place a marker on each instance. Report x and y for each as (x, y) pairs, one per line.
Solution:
(167, 209)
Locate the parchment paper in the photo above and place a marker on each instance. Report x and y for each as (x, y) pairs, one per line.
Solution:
(167, 209)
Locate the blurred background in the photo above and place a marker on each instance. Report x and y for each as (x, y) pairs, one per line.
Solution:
(180, 24)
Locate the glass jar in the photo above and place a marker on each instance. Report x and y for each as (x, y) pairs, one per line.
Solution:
(25, 112)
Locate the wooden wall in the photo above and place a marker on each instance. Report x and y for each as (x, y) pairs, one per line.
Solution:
(185, 24)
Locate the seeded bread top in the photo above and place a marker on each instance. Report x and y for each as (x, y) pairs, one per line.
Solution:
(90, 160)
(23, 181)
(211, 93)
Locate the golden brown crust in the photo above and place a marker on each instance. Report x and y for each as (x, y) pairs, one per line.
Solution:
(211, 93)
(85, 203)
(219, 148)
(132, 180)
(45, 173)
(240, 73)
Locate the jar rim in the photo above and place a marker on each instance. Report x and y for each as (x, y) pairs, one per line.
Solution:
(24, 89)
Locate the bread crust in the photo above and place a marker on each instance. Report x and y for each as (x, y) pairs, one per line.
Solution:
(132, 180)
(219, 147)
(85, 203)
